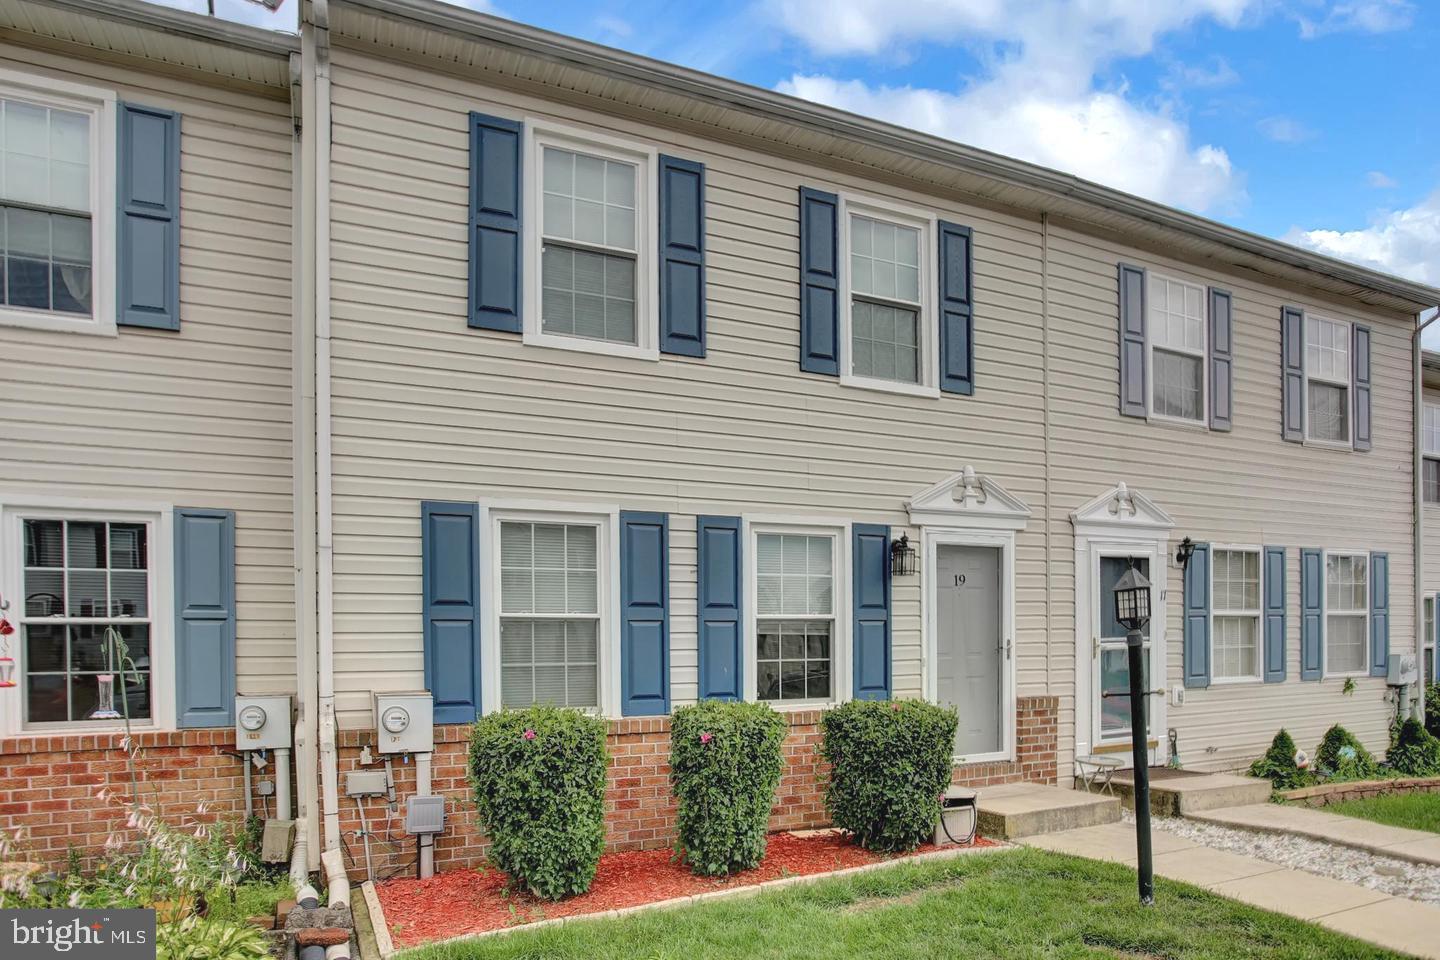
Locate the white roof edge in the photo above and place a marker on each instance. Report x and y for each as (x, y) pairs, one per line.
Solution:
(196, 26)
(774, 105)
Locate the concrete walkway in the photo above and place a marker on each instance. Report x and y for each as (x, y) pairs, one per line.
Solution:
(1391, 922)
(1416, 846)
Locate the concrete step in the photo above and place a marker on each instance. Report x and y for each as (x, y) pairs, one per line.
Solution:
(1176, 793)
(1027, 809)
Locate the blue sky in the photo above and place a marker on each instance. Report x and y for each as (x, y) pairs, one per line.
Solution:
(1309, 120)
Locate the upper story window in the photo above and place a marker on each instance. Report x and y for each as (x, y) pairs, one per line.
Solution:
(1428, 644)
(1347, 614)
(592, 285)
(1327, 380)
(1430, 440)
(795, 631)
(1176, 324)
(1235, 613)
(57, 161)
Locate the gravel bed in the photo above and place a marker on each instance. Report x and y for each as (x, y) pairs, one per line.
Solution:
(1399, 878)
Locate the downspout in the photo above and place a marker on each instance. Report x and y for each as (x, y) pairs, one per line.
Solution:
(1417, 709)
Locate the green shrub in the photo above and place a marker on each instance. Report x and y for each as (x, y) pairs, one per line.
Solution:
(1432, 709)
(725, 761)
(1415, 752)
(1278, 764)
(539, 781)
(1342, 757)
(890, 762)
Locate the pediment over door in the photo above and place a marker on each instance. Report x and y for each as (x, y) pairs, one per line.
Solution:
(968, 499)
(1121, 508)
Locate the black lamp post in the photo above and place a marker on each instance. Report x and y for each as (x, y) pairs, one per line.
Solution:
(1132, 611)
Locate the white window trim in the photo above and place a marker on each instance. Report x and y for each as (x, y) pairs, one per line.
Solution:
(99, 104)
(1325, 612)
(1430, 408)
(1204, 353)
(926, 223)
(1258, 613)
(607, 555)
(541, 132)
(1348, 383)
(841, 682)
(158, 517)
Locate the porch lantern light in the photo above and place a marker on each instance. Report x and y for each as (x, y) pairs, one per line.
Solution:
(903, 561)
(1132, 600)
(1184, 552)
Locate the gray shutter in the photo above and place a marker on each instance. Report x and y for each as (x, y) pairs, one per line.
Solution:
(1222, 361)
(870, 557)
(1360, 363)
(1379, 614)
(1292, 374)
(682, 257)
(717, 541)
(450, 604)
(819, 282)
(957, 318)
(147, 252)
(1197, 618)
(1312, 614)
(204, 617)
(495, 223)
(1132, 341)
(644, 614)
(1273, 631)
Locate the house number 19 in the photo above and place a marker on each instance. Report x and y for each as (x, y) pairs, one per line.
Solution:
(959, 579)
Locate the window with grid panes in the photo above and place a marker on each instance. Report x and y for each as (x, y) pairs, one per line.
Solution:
(1327, 380)
(549, 614)
(1235, 613)
(1347, 613)
(885, 340)
(795, 617)
(1176, 324)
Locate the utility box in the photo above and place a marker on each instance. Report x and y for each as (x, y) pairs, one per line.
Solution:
(1403, 671)
(425, 815)
(404, 723)
(958, 816)
(262, 722)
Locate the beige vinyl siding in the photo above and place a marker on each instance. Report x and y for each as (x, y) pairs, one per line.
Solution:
(428, 409)
(1242, 487)
(196, 418)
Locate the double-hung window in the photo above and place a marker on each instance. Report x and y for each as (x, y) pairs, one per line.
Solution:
(1176, 325)
(887, 322)
(1427, 670)
(57, 156)
(1235, 614)
(594, 272)
(84, 583)
(1347, 614)
(795, 627)
(1431, 448)
(1327, 380)
(550, 622)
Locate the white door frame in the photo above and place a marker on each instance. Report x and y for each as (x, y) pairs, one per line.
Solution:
(1119, 522)
(932, 538)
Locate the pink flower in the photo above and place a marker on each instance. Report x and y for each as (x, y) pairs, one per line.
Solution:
(894, 706)
(528, 734)
(706, 737)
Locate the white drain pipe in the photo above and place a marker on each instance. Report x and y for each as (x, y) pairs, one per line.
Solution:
(427, 840)
(282, 783)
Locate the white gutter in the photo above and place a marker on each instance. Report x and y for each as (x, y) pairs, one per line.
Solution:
(1417, 709)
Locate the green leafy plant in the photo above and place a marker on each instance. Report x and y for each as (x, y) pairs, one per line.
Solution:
(725, 762)
(1432, 709)
(1348, 687)
(201, 938)
(1415, 753)
(1341, 756)
(539, 784)
(1278, 764)
(890, 763)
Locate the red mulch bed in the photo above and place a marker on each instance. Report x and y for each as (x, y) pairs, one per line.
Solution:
(472, 901)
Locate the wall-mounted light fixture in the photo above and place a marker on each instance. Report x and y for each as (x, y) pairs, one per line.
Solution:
(1184, 552)
(903, 560)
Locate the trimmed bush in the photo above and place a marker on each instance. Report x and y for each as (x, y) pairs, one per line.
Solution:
(1432, 709)
(539, 782)
(1342, 757)
(1278, 764)
(890, 762)
(725, 761)
(1415, 752)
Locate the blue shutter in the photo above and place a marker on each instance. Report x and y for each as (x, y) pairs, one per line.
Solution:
(1312, 614)
(957, 319)
(1379, 614)
(1132, 341)
(204, 617)
(870, 557)
(1274, 614)
(644, 614)
(1361, 363)
(1197, 618)
(495, 223)
(819, 283)
(1222, 361)
(721, 607)
(1292, 372)
(147, 252)
(682, 257)
(450, 600)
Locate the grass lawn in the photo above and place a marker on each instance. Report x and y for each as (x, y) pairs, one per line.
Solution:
(1419, 811)
(1024, 903)
(252, 898)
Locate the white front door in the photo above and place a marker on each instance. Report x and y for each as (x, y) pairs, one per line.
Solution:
(971, 648)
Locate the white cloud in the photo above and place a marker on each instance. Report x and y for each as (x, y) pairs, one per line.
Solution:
(1359, 16)
(1403, 242)
(1284, 130)
(243, 11)
(1380, 180)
